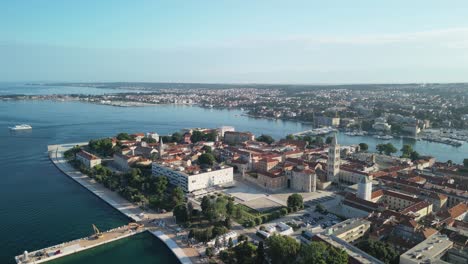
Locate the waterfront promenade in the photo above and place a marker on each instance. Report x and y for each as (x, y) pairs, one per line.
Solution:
(77, 245)
(149, 220)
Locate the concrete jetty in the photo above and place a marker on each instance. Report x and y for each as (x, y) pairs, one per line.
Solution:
(77, 245)
(146, 219)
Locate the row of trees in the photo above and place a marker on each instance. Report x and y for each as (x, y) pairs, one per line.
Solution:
(317, 141)
(407, 151)
(200, 136)
(386, 148)
(245, 252)
(103, 146)
(136, 186)
(212, 221)
(381, 250)
(285, 249)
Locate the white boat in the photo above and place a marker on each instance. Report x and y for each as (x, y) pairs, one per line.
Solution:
(21, 127)
(385, 137)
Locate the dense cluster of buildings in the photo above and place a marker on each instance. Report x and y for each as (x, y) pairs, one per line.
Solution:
(419, 207)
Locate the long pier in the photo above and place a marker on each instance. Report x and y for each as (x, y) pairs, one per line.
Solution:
(77, 245)
(147, 221)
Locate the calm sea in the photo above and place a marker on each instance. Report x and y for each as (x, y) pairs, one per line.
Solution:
(40, 207)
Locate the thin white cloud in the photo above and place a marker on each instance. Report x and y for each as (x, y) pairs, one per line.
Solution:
(448, 37)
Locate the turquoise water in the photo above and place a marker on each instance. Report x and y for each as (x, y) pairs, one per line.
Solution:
(40, 207)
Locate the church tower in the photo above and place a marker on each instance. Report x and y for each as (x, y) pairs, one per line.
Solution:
(365, 188)
(333, 163)
(161, 148)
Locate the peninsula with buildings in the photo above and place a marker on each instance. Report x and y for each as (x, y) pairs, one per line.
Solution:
(220, 195)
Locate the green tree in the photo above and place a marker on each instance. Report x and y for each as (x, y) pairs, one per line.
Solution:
(177, 196)
(313, 253)
(282, 249)
(289, 136)
(230, 207)
(265, 138)
(230, 243)
(180, 213)
(320, 253)
(414, 155)
(328, 140)
(245, 253)
(211, 136)
(159, 185)
(205, 203)
(124, 136)
(363, 146)
(149, 140)
(406, 151)
(209, 252)
(207, 159)
(388, 148)
(381, 250)
(167, 139)
(295, 201)
(318, 140)
(190, 210)
(465, 163)
(336, 256)
(71, 153)
(307, 138)
(260, 254)
(207, 149)
(176, 137)
(196, 136)
(101, 146)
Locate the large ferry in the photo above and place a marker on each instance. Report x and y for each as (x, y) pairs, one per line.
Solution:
(21, 127)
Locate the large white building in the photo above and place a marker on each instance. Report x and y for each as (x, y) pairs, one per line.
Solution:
(196, 180)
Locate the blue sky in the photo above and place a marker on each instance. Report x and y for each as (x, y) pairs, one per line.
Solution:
(234, 41)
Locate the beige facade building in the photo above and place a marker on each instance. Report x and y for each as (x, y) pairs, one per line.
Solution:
(350, 230)
(233, 137)
(302, 179)
(88, 159)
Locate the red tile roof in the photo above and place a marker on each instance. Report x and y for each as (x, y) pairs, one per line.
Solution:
(87, 155)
